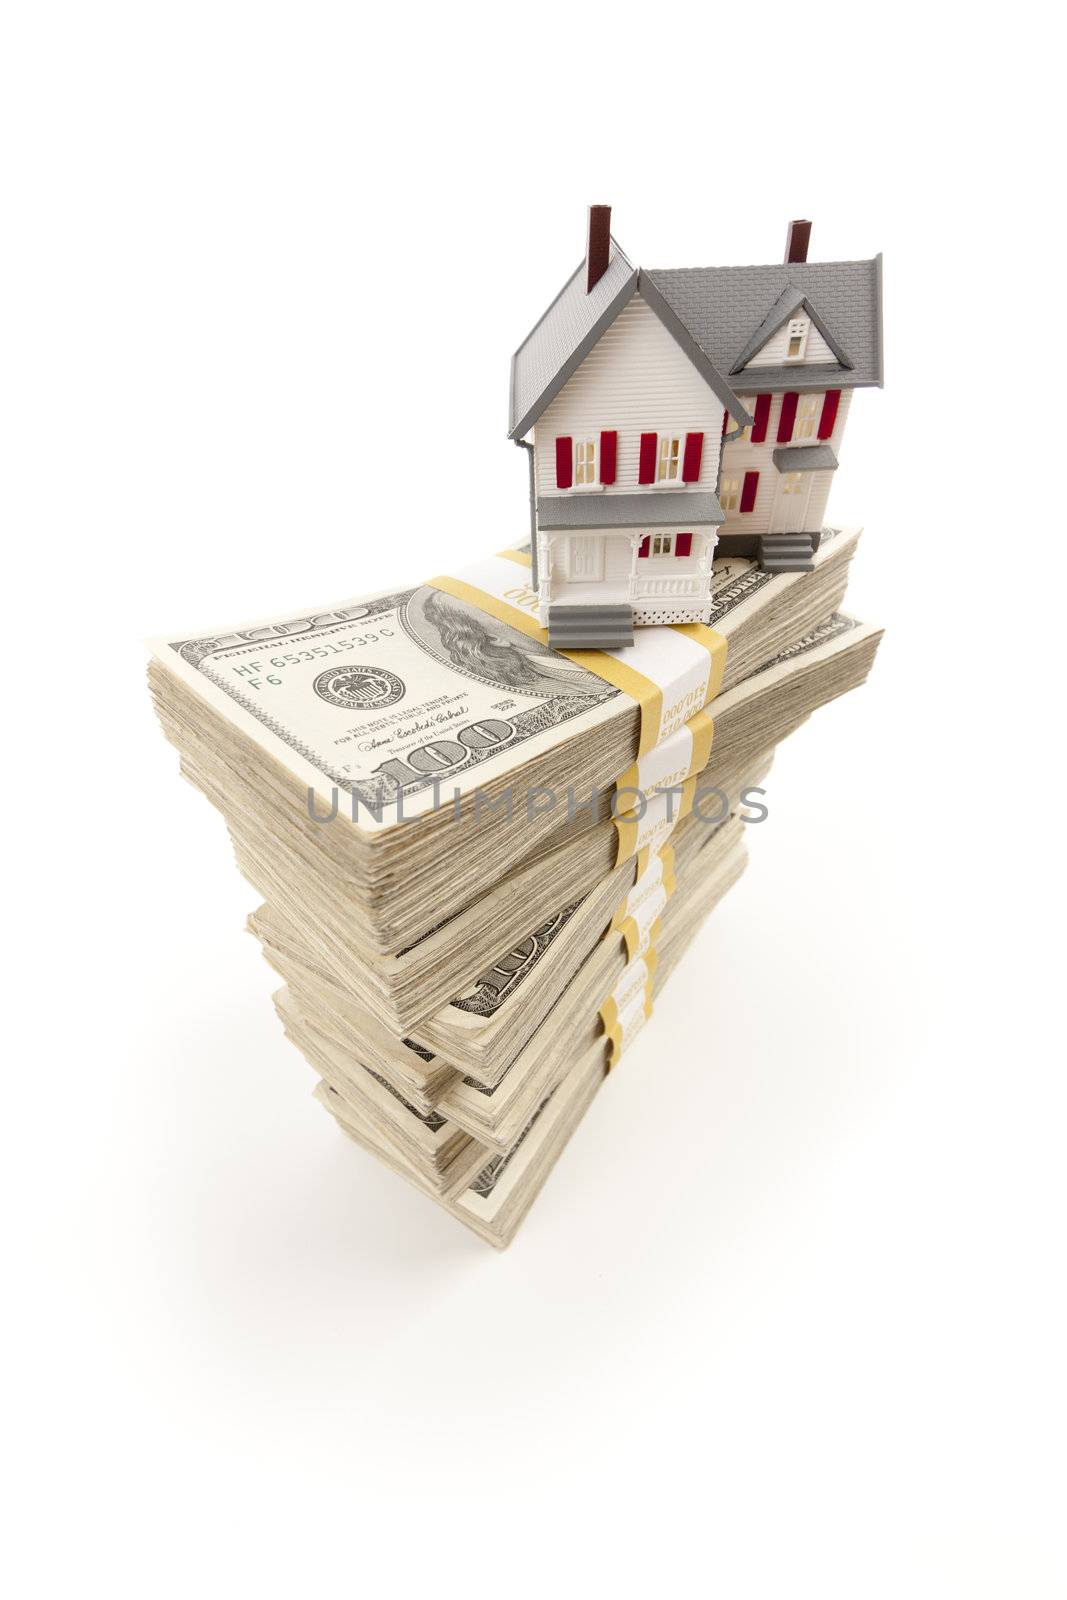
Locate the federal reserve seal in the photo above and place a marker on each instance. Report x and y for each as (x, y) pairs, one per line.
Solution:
(359, 688)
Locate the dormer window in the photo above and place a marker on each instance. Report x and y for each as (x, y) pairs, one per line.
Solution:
(585, 473)
(669, 467)
(798, 338)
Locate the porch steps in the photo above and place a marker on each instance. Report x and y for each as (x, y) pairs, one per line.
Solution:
(590, 627)
(787, 552)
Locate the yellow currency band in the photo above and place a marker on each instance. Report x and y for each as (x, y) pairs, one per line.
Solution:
(666, 855)
(631, 935)
(702, 728)
(609, 1012)
(714, 643)
(627, 828)
(626, 926)
(648, 695)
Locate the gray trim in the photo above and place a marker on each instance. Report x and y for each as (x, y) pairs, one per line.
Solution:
(673, 508)
(575, 359)
(878, 313)
(684, 339)
(524, 444)
(775, 380)
(783, 307)
(790, 300)
(805, 458)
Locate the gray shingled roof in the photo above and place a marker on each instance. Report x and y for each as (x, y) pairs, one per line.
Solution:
(670, 508)
(720, 316)
(557, 345)
(805, 458)
(723, 307)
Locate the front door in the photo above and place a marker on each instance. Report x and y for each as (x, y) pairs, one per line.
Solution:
(791, 502)
(585, 558)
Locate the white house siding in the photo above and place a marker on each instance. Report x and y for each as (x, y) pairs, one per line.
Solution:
(617, 548)
(660, 583)
(775, 351)
(820, 492)
(635, 380)
(740, 456)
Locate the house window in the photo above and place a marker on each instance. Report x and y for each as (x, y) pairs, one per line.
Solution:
(807, 417)
(665, 544)
(798, 338)
(662, 544)
(669, 467)
(792, 482)
(585, 463)
(730, 493)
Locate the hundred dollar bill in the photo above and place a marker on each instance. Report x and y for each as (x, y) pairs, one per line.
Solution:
(496, 1187)
(393, 700)
(408, 991)
(385, 708)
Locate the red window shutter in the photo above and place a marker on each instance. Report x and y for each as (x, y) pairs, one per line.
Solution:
(694, 449)
(609, 443)
(647, 468)
(683, 544)
(760, 418)
(748, 491)
(829, 413)
(564, 461)
(642, 548)
(787, 418)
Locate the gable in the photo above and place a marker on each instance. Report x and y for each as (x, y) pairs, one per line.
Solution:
(575, 323)
(636, 379)
(636, 367)
(791, 334)
(775, 352)
(558, 343)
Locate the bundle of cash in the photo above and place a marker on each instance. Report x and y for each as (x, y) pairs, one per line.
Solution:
(480, 859)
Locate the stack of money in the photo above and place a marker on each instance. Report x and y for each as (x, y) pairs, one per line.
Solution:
(480, 859)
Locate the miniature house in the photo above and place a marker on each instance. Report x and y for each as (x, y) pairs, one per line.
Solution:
(679, 414)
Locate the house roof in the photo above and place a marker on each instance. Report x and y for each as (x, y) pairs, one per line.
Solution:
(720, 316)
(557, 345)
(671, 508)
(732, 311)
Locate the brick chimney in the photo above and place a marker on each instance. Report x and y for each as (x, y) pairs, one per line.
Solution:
(599, 247)
(796, 241)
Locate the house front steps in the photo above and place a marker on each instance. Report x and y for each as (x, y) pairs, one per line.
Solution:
(787, 552)
(590, 627)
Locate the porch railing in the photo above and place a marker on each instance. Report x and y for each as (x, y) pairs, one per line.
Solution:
(666, 588)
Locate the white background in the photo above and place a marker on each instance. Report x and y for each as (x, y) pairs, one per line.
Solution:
(789, 1317)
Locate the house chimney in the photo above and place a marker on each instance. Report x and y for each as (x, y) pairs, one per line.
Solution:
(599, 247)
(796, 241)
